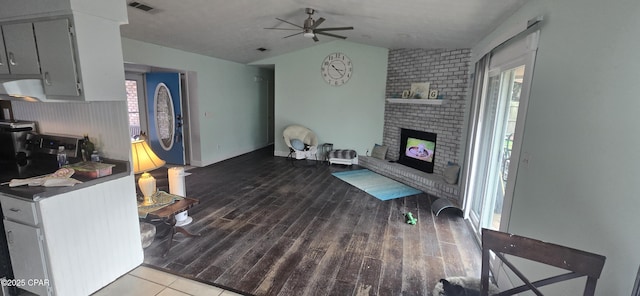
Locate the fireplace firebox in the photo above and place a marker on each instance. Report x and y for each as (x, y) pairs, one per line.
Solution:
(417, 149)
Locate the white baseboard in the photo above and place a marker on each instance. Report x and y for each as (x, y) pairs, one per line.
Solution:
(280, 153)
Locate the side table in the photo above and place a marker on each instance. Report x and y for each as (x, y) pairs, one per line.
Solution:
(168, 216)
(325, 149)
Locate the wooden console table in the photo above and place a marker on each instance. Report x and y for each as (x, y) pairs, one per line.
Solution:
(168, 216)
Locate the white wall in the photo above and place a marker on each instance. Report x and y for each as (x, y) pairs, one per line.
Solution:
(350, 116)
(230, 108)
(580, 187)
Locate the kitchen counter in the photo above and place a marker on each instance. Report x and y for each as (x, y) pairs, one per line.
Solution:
(35, 193)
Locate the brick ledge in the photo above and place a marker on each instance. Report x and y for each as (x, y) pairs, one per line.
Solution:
(430, 183)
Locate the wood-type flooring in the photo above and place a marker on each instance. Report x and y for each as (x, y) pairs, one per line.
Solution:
(273, 227)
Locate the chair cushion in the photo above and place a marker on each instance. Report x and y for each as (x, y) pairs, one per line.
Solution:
(379, 151)
(343, 154)
(297, 144)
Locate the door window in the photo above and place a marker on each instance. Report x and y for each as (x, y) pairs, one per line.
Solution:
(136, 104)
(165, 125)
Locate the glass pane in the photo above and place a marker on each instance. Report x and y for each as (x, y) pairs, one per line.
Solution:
(498, 121)
(164, 116)
(513, 81)
(131, 87)
(132, 102)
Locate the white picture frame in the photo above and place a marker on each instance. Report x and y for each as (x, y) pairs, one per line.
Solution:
(420, 90)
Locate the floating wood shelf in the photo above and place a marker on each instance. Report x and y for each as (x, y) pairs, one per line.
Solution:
(416, 101)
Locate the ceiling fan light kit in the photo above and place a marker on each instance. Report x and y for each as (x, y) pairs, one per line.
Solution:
(308, 33)
(310, 27)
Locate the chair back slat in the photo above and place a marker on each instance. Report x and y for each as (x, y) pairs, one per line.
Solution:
(579, 262)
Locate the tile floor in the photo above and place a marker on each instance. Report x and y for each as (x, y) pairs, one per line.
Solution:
(145, 281)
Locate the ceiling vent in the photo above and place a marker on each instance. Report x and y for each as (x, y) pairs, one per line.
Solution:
(144, 7)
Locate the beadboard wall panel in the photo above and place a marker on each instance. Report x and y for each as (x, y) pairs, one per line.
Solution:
(92, 236)
(106, 123)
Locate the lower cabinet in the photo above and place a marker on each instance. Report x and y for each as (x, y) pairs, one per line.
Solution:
(28, 258)
(73, 243)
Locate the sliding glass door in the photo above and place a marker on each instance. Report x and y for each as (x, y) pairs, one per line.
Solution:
(496, 144)
(498, 126)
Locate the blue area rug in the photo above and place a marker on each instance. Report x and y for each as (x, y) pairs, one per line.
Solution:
(379, 186)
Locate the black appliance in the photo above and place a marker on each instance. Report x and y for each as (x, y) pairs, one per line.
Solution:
(23, 154)
(14, 151)
(14, 135)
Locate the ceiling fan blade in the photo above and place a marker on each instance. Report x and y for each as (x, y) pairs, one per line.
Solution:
(333, 29)
(315, 38)
(292, 35)
(288, 29)
(290, 23)
(317, 23)
(331, 35)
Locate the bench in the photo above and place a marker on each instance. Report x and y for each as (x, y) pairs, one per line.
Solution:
(342, 156)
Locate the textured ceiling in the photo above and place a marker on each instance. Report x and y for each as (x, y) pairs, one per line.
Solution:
(234, 29)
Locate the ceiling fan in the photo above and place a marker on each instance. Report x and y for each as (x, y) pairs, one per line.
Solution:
(310, 28)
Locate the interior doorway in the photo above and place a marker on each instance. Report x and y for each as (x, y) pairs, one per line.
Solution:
(139, 111)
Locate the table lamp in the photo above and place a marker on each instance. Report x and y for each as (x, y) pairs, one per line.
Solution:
(144, 160)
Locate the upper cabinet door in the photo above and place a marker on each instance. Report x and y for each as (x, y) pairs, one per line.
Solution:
(4, 66)
(56, 51)
(20, 44)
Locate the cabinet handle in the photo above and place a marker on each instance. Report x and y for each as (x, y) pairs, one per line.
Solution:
(47, 78)
(10, 237)
(14, 210)
(12, 60)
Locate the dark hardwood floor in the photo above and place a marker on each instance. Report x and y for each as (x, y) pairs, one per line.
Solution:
(271, 228)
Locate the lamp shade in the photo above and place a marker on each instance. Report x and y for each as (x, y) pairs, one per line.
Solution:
(144, 159)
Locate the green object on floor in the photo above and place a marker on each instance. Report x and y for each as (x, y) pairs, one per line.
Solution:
(410, 219)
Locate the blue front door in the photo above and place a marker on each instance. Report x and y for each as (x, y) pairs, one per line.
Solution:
(165, 116)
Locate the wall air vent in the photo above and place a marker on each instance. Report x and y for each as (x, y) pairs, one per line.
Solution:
(261, 49)
(142, 6)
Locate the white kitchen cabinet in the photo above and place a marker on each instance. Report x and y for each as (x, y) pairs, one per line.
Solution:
(57, 61)
(76, 242)
(99, 58)
(4, 66)
(21, 51)
(28, 258)
(74, 62)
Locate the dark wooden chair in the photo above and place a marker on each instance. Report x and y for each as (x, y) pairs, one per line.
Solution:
(636, 285)
(578, 263)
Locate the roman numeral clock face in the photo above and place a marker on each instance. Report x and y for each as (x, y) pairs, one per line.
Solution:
(336, 69)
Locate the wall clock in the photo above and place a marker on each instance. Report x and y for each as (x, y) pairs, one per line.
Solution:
(336, 69)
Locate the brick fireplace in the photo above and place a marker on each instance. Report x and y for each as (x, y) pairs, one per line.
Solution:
(448, 72)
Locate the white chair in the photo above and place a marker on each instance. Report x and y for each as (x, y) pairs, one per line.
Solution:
(302, 142)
